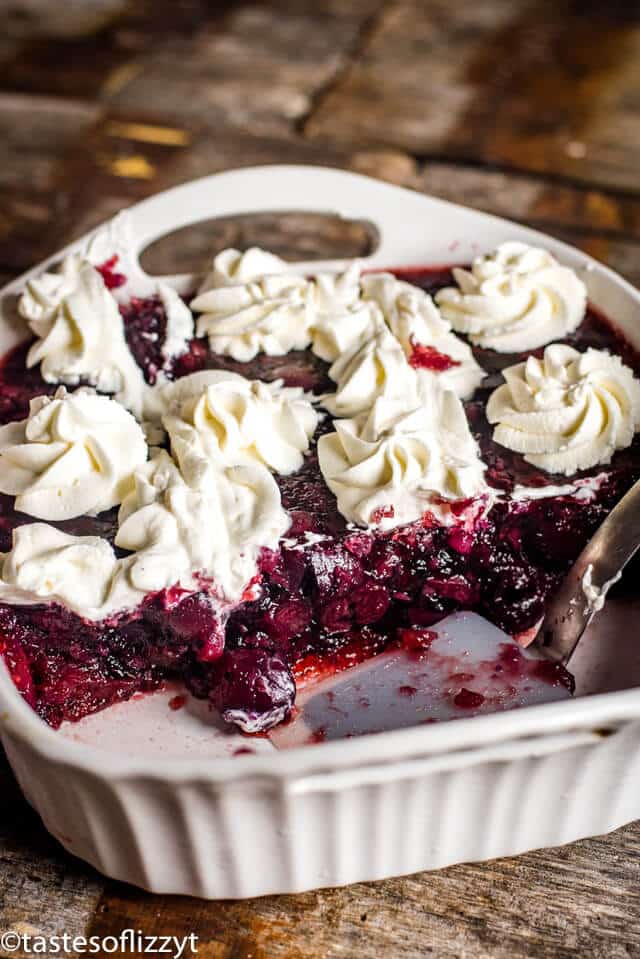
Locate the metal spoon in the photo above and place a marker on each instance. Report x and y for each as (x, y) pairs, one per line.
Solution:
(583, 591)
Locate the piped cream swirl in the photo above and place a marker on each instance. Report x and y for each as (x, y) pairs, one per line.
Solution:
(415, 321)
(234, 421)
(80, 333)
(342, 321)
(74, 454)
(251, 304)
(377, 368)
(568, 411)
(517, 298)
(233, 268)
(198, 522)
(47, 565)
(394, 463)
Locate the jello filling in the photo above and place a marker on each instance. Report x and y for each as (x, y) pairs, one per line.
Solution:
(330, 596)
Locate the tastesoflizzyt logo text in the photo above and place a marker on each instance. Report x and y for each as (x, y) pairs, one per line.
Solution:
(128, 941)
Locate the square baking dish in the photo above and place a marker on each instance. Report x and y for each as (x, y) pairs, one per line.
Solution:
(156, 798)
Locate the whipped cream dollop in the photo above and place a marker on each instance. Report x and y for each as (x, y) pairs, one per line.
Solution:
(80, 333)
(44, 293)
(340, 334)
(377, 368)
(245, 312)
(567, 411)
(342, 320)
(197, 523)
(415, 321)
(74, 454)
(394, 463)
(348, 309)
(338, 292)
(232, 421)
(47, 565)
(233, 268)
(208, 532)
(517, 298)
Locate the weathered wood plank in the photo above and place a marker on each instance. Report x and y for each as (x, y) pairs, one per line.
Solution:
(604, 224)
(35, 135)
(94, 48)
(27, 227)
(534, 199)
(538, 86)
(411, 87)
(43, 890)
(260, 68)
(582, 900)
(226, 63)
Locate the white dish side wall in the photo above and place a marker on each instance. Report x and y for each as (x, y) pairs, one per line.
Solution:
(264, 836)
(361, 809)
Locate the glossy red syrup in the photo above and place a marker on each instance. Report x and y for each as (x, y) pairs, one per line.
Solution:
(467, 699)
(109, 272)
(177, 702)
(429, 358)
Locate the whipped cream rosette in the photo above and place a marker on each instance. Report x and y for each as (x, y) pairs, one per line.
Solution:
(568, 411)
(80, 333)
(338, 292)
(517, 298)
(376, 368)
(335, 335)
(235, 421)
(392, 464)
(47, 565)
(197, 522)
(73, 455)
(250, 304)
(44, 293)
(415, 321)
(342, 321)
(233, 268)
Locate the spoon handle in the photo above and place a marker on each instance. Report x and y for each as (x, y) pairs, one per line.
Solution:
(582, 593)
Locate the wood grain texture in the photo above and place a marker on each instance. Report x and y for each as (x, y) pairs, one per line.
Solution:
(261, 71)
(525, 108)
(43, 891)
(582, 899)
(550, 87)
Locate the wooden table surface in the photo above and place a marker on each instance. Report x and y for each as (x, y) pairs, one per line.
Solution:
(527, 108)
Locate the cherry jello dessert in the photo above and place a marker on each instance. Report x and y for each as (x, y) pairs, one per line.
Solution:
(283, 475)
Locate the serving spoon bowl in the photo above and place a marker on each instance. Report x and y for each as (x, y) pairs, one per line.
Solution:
(583, 591)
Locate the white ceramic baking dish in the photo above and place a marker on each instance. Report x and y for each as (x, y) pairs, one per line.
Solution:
(153, 796)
